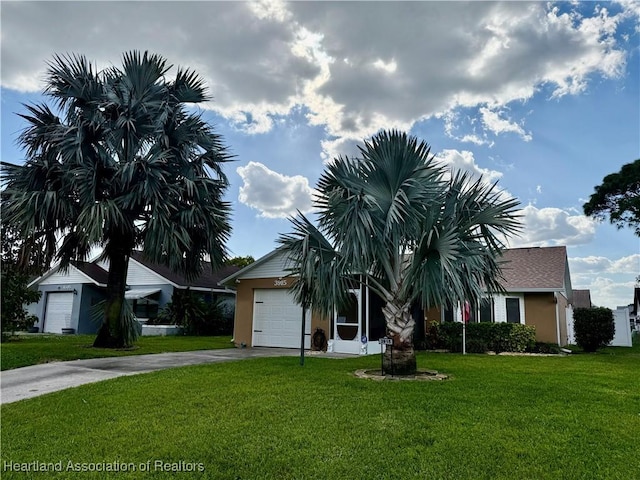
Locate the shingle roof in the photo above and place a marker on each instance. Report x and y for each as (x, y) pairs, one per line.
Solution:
(95, 272)
(207, 279)
(582, 299)
(534, 268)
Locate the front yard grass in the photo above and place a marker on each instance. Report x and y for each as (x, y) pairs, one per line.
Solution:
(24, 350)
(497, 417)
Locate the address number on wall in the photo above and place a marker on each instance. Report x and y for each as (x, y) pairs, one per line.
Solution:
(280, 283)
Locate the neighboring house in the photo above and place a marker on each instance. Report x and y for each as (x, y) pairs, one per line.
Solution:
(582, 299)
(68, 297)
(537, 284)
(635, 306)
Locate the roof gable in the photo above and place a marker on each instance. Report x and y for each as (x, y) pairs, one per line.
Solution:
(79, 272)
(273, 264)
(582, 298)
(538, 268)
(207, 279)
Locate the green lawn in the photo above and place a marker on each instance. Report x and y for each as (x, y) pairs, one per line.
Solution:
(26, 350)
(497, 417)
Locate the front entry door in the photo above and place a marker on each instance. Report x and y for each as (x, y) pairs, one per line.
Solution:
(347, 325)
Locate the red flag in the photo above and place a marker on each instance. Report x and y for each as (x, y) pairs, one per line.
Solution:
(466, 314)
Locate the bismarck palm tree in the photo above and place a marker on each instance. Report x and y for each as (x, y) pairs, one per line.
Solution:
(125, 165)
(399, 222)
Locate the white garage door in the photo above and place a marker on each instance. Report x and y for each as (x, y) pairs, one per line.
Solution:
(58, 311)
(277, 318)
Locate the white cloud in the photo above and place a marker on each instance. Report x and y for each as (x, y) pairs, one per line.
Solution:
(610, 280)
(494, 122)
(597, 264)
(388, 67)
(553, 226)
(265, 58)
(274, 195)
(464, 160)
(606, 291)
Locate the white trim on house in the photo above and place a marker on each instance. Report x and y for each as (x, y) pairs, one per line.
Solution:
(80, 277)
(246, 272)
(136, 294)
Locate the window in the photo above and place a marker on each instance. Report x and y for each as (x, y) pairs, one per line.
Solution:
(486, 310)
(448, 314)
(145, 308)
(513, 310)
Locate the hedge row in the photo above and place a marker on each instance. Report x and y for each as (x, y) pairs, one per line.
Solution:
(481, 337)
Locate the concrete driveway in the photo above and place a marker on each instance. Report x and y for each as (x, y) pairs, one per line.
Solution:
(28, 382)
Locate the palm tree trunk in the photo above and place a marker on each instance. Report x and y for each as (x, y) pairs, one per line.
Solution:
(399, 358)
(110, 334)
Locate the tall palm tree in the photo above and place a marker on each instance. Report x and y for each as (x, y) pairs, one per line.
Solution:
(399, 222)
(126, 164)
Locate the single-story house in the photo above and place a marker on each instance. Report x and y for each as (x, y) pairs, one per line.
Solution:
(67, 297)
(537, 284)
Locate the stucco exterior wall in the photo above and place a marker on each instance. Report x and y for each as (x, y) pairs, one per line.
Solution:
(540, 311)
(90, 296)
(243, 319)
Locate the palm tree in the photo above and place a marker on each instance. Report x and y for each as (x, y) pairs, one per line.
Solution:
(126, 165)
(399, 222)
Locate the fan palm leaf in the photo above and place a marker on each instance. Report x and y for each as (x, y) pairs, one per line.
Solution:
(125, 165)
(391, 219)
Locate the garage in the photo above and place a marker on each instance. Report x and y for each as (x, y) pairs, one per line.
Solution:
(58, 311)
(276, 320)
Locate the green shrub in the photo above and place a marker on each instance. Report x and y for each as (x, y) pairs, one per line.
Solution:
(520, 338)
(15, 294)
(476, 345)
(482, 337)
(593, 327)
(543, 347)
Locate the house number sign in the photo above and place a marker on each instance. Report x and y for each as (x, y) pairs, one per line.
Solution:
(280, 283)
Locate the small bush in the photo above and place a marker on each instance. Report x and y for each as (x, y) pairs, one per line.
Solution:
(594, 328)
(476, 345)
(520, 338)
(482, 337)
(542, 347)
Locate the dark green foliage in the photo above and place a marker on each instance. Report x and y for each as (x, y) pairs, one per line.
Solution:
(240, 261)
(476, 345)
(594, 328)
(121, 160)
(543, 347)
(17, 268)
(483, 337)
(618, 197)
(197, 317)
(15, 294)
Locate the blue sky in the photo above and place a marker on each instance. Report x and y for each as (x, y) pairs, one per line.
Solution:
(542, 97)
